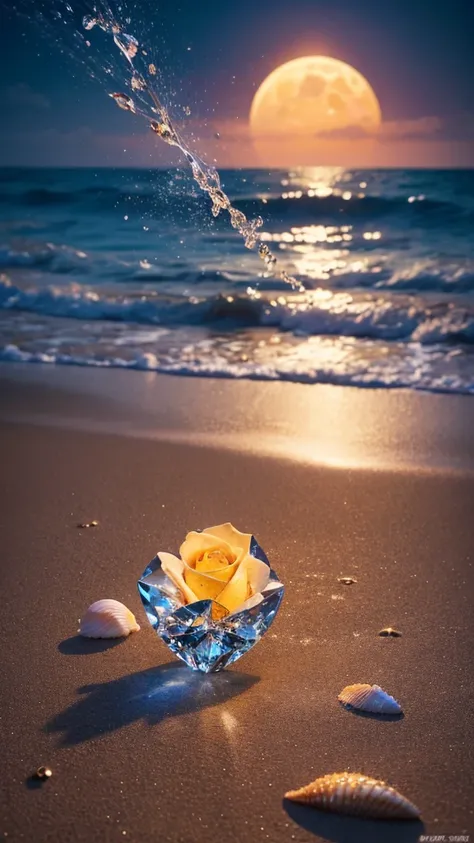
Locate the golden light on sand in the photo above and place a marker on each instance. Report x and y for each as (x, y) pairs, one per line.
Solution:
(309, 97)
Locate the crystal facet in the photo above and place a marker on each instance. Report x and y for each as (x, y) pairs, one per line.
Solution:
(204, 634)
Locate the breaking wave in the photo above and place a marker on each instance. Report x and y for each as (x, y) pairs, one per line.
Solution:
(318, 313)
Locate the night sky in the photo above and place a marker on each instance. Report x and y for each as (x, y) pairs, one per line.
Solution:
(417, 54)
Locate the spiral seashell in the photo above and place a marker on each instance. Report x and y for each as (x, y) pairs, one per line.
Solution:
(369, 698)
(355, 795)
(108, 619)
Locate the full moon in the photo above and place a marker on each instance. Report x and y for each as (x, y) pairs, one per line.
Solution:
(313, 95)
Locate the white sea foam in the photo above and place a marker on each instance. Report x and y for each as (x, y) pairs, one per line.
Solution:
(317, 313)
(409, 376)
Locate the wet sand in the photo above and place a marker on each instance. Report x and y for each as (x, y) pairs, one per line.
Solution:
(141, 748)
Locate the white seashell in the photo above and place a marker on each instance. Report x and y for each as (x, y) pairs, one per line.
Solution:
(355, 795)
(369, 698)
(108, 619)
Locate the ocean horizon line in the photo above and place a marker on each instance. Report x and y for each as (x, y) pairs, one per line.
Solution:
(294, 167)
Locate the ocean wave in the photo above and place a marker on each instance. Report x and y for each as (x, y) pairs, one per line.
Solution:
(105, 198)
(160, 201)
(318, 313)
(456, 281)
(58, 259)
(354, 207)
(65, 260)
(371, 377)
(421, 277)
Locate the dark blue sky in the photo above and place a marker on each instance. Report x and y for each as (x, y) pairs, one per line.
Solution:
(417, 54)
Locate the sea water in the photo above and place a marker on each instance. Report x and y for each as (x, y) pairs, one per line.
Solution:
(128, 268)
(349, 277)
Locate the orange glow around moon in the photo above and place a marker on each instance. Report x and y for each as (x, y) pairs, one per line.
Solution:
(311, 96)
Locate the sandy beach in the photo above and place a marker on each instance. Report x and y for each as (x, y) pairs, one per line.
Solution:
(374, 485)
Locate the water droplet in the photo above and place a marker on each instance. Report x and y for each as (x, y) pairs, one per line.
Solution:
(43, 773)
(88, 22)
(162, 130)
(390, 632)
(124, 101)
(206, 177)
(138, 83)
(219, 200)
(127, 44)
(346, 580)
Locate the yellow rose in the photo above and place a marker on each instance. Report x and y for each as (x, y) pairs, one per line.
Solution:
(216, 565)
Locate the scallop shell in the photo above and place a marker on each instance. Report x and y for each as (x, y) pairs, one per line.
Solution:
(369, 698)
(355, 795)
(108, 619)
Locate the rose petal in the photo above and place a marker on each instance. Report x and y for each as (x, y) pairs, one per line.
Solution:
(212, 560)
(204, 586)
(257, 598)
(173, 568)
(228, 533)
(207, 567)
(252, 576)
(258, 574)
(236, 591)
(249, 604)
(197, 543)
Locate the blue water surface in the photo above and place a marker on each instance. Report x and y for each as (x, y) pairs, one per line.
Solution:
(129, 268)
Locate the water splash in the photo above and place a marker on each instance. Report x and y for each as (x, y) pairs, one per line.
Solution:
(124, 101)
(88, 22)
(142, 74)
(151, 107)
(127, 44)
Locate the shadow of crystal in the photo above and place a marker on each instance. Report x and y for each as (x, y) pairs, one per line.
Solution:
(352, 829)
(152, 695)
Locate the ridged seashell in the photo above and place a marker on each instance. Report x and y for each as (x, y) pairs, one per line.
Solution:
(355, 795)
(390, 632)
(369, 698)
(108, 619)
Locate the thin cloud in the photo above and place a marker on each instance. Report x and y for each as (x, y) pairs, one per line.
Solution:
(422, 127)
(407, 129)
(459, 128)
(228, 143)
